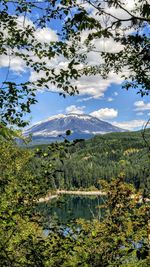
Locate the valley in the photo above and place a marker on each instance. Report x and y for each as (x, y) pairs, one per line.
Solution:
(103, 157)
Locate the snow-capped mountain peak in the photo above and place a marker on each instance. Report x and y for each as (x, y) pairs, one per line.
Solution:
(81, 126)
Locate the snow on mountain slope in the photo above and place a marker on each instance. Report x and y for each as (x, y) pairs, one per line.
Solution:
(81, 126)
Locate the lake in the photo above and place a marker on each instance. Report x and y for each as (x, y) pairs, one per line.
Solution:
(68, 208)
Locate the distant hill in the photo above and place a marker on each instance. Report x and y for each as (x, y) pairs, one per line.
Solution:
(81, 126)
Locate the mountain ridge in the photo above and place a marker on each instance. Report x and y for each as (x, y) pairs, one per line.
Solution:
(81, 126)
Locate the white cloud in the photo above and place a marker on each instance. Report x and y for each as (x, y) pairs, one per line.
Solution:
(139, 113)
(141, 106)
(105, 113)
(16, 64)
(84, 99)
(24, 22)
(120, 13)
(106, 20)
(130, 125)
(75, 109)
(110, 99)
(42, 35)
(56, 63)
(115, 93)
(46, 35)
(107, 45)
(90, 86)
(95, 86)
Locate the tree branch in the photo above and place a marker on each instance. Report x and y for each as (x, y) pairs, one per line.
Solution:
(133, 17)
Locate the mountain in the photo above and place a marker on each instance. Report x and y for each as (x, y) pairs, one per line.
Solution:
(81, 126)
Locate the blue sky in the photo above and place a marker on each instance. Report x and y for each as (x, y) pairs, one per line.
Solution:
(104, 99)
(123, 108)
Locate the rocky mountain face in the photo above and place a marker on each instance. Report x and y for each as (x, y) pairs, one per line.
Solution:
(81, 126)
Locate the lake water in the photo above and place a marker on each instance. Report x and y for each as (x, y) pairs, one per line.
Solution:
(68, 208)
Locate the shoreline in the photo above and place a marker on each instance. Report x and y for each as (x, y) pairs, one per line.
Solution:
(69, 192)
(79, 193)
(46, 199)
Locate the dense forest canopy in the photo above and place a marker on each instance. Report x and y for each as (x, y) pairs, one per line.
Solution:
(103, 158)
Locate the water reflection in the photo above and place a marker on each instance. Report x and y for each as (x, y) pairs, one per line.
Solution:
(68, 208)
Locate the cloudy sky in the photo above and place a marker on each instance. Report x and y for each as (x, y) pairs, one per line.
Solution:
(104, 99)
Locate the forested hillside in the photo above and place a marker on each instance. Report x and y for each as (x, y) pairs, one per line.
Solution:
(105, 157)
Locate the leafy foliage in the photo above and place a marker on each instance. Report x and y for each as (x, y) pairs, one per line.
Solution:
(18, 40)
(25, 177)
(122, 237)
(130, 32)
(119, 239)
